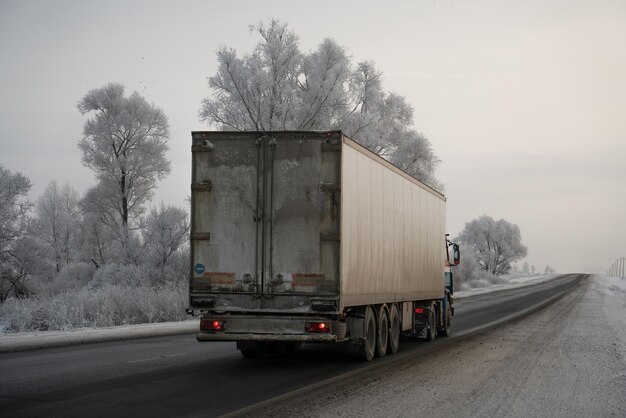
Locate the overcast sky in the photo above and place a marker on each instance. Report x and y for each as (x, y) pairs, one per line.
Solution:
(523, 101)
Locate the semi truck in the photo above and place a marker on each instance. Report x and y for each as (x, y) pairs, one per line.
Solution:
(309, 237)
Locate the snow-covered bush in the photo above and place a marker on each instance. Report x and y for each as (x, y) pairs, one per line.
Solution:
(100, 307)
(71, 277)
(16, 315)
(114, 274)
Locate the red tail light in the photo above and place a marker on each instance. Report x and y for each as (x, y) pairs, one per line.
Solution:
(317, 327)
(420, 311)
(211, 325)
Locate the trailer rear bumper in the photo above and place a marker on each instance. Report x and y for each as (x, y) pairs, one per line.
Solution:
(308, 338)
(224, 327)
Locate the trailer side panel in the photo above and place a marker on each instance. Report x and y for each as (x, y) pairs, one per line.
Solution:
(392, 232)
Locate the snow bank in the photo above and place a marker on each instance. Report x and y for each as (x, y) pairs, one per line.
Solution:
(46, 339)
(111, 305)
(614, 291)
(615, 284)
(511, 283)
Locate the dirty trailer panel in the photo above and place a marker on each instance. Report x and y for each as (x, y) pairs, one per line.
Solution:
(303, 222)
(265, 220)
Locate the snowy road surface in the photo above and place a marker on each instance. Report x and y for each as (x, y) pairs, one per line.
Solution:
(168, 376)
(567, 360)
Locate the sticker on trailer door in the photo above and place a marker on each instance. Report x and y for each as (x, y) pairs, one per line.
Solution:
(199, 269)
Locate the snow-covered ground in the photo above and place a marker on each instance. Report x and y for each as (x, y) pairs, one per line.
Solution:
(566, 360)
(615, 307)
(42, 339)
(512, 282)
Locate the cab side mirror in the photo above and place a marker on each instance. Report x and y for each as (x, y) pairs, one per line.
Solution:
(456, 254)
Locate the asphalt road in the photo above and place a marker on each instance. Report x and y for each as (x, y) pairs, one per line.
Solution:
(176, 376)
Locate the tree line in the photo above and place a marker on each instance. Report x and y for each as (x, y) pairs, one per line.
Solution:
(125, 143)
(111, 235)
(106, 257)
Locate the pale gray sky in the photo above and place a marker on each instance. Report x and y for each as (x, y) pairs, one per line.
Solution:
(524, 101)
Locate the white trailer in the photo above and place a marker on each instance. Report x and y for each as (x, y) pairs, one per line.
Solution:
(310, 237)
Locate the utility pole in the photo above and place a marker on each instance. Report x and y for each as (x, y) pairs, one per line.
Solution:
(618, 268)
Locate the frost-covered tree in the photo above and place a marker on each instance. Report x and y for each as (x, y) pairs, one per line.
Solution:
(14, 219)
(497, 243)
(549, 270)
(14, 207)
(526, 268)
(58, 221)
(28, 261)
(278, 87)
(125, 143)
(165, 233)
(97, 227)
(105, 237)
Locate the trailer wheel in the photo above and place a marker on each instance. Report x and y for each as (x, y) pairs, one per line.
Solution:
(447, 322)
(363, 347)
(382, 330)
(367, 349)
(394, 329)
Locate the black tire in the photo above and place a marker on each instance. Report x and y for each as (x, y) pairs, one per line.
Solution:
(364, 348)
(368, 348)
(394, 329)
(382, 330)
(447, 322)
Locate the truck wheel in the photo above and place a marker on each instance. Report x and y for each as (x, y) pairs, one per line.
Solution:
(394, 329)
(368, 348)
(447, 322)
(364, 348)
(382, 330)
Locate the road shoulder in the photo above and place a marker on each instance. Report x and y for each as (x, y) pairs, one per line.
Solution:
(565, 360)
(48, 339)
